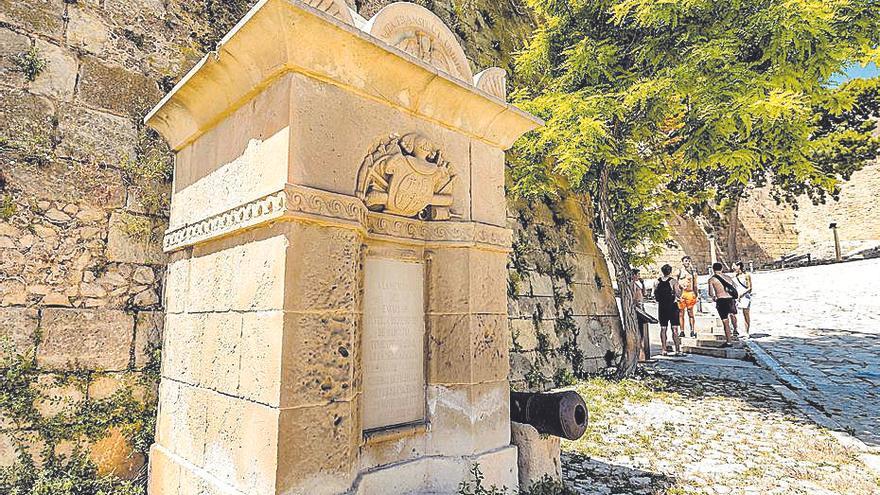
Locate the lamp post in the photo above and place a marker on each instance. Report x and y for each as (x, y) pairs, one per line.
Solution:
(833, 228)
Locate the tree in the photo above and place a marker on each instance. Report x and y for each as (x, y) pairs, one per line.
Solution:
(652, 106)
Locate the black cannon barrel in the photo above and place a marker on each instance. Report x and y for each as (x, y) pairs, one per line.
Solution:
(562, 414)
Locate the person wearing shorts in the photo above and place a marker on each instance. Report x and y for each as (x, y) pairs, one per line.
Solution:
(743, 283)
(724, 301)
(667, 292)
(687, 278)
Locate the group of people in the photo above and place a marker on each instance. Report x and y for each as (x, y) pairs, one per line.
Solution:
(678, 294)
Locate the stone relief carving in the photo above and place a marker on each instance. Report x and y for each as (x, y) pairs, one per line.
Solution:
(407, 176)
(304, 202)
(417, 31)
(493, 81)
(336, 8)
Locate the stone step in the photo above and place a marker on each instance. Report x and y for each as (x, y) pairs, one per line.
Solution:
(718, 352)
(701, 341)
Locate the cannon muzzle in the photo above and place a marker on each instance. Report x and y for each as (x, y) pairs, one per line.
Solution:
(562, 414)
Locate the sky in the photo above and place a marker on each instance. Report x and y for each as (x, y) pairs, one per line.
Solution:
(857, 71)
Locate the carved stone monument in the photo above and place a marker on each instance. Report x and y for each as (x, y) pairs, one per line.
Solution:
(336, 292)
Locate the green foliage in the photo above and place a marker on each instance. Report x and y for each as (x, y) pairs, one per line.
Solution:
(30, 63)
(685, 100)
(547, 486)
(7, 207)
(476, 487)
(149, 169)
(40, 468)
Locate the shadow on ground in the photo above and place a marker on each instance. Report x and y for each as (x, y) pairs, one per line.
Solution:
(590, 475)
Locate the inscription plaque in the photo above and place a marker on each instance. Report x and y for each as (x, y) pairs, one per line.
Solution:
(393, 343)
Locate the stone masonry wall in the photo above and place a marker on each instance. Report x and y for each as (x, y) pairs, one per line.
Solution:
(563, 315)
(83, 204)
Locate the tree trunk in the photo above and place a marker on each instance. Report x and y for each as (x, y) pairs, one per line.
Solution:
(732, 224)
(623, 273)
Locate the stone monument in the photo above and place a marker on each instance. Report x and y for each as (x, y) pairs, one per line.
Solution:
(336, 293)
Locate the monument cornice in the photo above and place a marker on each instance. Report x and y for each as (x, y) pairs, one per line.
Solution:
(279, 37)
(297, 202)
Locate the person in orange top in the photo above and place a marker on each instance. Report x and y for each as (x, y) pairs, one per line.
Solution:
(687, 279)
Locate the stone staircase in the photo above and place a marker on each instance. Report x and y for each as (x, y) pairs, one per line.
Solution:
(710, 339)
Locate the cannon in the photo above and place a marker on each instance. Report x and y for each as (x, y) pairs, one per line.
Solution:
(562, 414)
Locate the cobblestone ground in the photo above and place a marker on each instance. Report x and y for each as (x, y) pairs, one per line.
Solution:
(694, 427)
(822, 324)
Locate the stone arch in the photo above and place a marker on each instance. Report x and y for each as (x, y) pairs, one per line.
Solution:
(493, 81)
(336, 8)
(417, 31)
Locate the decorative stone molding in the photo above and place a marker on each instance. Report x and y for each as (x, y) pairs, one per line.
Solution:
(256, 212)
(336, 8)
(407, 176)
(417, 31)
(493, 81)
(314, 204)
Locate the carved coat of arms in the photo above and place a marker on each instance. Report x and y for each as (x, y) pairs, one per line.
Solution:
(407, 176)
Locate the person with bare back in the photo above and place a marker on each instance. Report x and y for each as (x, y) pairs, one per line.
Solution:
(724, 293)
(743, 282)
(667, 293)
(687, 279)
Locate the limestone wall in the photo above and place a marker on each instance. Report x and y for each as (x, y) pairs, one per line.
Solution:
(83, 202)
(83, 205)
(563, 314)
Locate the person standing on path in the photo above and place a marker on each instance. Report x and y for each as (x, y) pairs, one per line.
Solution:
(743, 282)
(723, 292)
(667, 292)
(687, 278)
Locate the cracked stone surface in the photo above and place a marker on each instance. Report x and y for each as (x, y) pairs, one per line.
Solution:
(699, 425)
(822, 324)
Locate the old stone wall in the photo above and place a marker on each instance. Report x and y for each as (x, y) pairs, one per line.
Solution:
(564, 321)
(83, 204)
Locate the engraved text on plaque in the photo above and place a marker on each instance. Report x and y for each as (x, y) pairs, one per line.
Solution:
(393, 343)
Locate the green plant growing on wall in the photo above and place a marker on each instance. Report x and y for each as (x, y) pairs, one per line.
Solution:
(40, 469)
(30, 63)
(652, 107)
(7, 207)
(149, 169)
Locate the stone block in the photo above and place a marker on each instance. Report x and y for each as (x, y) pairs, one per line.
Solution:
(524, 334)
(12, 44)
(134, 239)
(425, 475)
(57, 396)
(182, 346)
(467, 348)
(488, 199)
(177, 282)
(103, 385)
(498, 467)
(86, 30)
(147, 335)
(18, 327)
(318, 358)
(93, 339)
(317, 448)
(183, 419)
(468, 419)
(93, 135)
(261, 349)
(220, 355)
(115, 89)
(45, 17)
(325, 277)
(242, 443)
(537, 455)
(58, 79)
(91, 187)
(489, 351)
(164, 474)
(27, 119)
(113, 456)
(542, 285)
(241, 272)
(467, 280)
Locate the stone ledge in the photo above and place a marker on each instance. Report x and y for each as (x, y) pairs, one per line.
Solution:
(305, 203)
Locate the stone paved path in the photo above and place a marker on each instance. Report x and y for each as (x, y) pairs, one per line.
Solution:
(822, 324)
(699, 425)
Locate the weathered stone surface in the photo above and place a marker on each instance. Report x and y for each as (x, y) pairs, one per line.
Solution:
(262, 341)
(115, 89)
(58, 79)
(12, 45)
(91, 187)
(18, 327)
(133, 239)
(45, 17)
(88, 338)
(326, 278)
(468, 419)
(317, 358)
(538, 455)
(86, 30)
(113, 456)
(57, 395)
(26, 119)
(93, 135)
(147, 336)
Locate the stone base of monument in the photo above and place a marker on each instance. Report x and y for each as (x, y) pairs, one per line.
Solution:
(538, 455)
